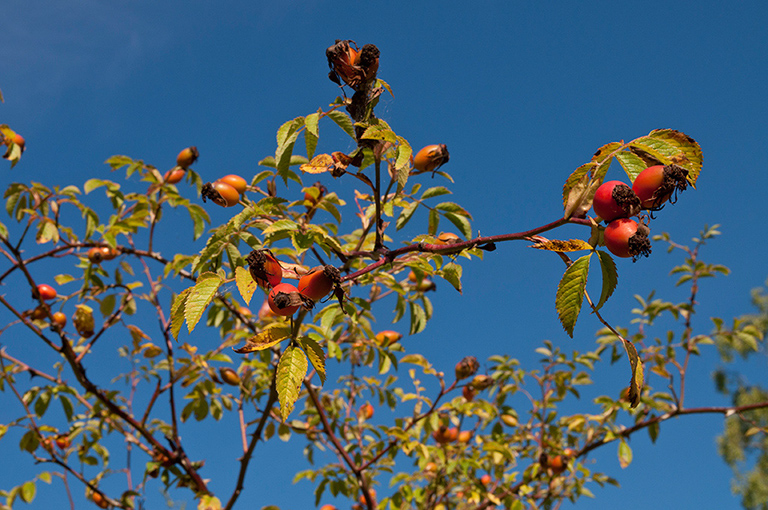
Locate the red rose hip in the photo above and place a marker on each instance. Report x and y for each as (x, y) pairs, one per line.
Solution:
(657, 184)
(627, 238)
(614, 199)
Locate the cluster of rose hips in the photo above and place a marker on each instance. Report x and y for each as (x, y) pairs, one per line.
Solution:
(616, 203)
(82, 319)
(285, 299)
(42, 312)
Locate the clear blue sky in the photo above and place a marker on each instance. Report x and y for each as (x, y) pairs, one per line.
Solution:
(520, 92)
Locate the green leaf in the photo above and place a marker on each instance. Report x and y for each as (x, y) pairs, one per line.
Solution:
(461, 222)
(199, 219)
(435, 191)
(452, 274)
(631, 163)
(311, 122)
(312, 133)
(625, 453)
(281, 226)
(315, 354)
(286, 138)
(404, 152)
(201, 296)
(290, 372)
(29, 441)
(344, 122)
(405, 215)
(434, 222)
(272, 334)
(177, 312)
(653, 431)
(570, 293)
(418, 318)
(610, 277)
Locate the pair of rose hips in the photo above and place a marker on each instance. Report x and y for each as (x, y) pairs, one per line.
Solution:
(225, 191)
(615, 202)
(183, 161)
(284, 299)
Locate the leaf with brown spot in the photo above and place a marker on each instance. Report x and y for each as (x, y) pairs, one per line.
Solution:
(562, 246)
(319, 164)
(271, 335)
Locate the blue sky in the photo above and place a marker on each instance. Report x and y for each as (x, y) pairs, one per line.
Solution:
(520, 92)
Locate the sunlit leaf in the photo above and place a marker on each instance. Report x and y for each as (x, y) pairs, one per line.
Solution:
(319, 164)
(272, 334)
(563, 246)
(201, 296)
(290, 373)
(315, 354)
(245, 283)
(631, 163)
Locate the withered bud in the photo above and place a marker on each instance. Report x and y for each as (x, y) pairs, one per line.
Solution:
(639, 244)
(209, 192)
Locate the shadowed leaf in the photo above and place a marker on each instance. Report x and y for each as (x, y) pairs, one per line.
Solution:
(570, 293)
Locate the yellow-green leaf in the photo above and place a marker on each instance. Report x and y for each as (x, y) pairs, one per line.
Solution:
(290, 372)
(272, 334)
(28, 491)
(570, 293)
(315, 354)
(380, 131)
(319, 164)
(245, 284)
(603, 154)
(201, 296)
(625, 454)
(689, 148)
(636, 382)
